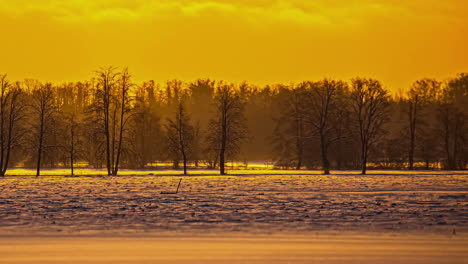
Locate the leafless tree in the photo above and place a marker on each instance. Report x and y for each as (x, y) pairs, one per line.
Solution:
(180, 133)
(74, 142)
(72, 98)
(196, 144)
(297, 114)
(452, 117)
(228, 129)
(289, 135)
(107, 123)
(12, 111)
(323, 111)
(44, 108)
(114, 110)
(145, 134)
(369, 102)
(418, 97)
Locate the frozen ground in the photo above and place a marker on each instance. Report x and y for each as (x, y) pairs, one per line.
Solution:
(250, 217)
(253, 202)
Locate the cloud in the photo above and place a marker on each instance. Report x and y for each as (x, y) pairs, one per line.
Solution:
(298, 12)
(258, 40)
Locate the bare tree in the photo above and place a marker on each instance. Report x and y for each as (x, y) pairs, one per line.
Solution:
(44, 108)
(289, 135)
(341, 130)
(418, 97)
(12, 111)
(74, 142)
(198, 104)
(106, 82)
(180, 133)
(72, 105)
(297, 114)
(452, 117)
(114, 110)
(314, 123)
(145, 134)
(323, 111)
(196, 144)
(123, 101)
(369, 101)
(228, 129)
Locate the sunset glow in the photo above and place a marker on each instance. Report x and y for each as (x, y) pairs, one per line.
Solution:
(262, 41)
(224, 131)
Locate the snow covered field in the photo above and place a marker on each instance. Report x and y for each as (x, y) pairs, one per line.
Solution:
(425, 210)
(271, 201)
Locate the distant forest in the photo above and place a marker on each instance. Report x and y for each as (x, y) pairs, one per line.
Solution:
(111, 122)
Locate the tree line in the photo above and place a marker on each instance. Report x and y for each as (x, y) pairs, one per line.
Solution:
(111, 122)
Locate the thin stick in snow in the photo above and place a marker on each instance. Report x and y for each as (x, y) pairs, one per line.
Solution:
(177, 191)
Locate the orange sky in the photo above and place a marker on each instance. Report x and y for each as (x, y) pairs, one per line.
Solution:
(261, 41)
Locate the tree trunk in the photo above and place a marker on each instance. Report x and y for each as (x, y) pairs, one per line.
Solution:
(181, 136)
(456, 145)
(185, 164)
(299, 163)
(299, 153)
(364, 167)
(71, 166)
(114, 114)
(363, 159)
(448, 153)
(325, 161)
(411, 148)
(221, 161)
(299, 134)
(106, 128)
(184, 156)
(299, 143)
(72, 158)
(223, 140)
(38, 164)
(221, 154)
(412, 115)
(39, 149)
(121, 129)
(410, 158)
(9, 142)
(2, 129)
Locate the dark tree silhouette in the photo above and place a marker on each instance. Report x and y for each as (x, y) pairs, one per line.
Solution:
(112, 106)
(108, 121)
(145, 134)
(369, 102)
(289, 135)
(323, 111)
(12, 111)
(228, 129)
(44, 109)
(180, 134)
(417, 100)
(73, 143)
(452, 117)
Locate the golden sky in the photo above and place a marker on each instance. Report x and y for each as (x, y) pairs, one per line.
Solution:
(261, 41)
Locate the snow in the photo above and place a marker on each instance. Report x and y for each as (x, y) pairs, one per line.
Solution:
(249, 216)
(245, 202)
